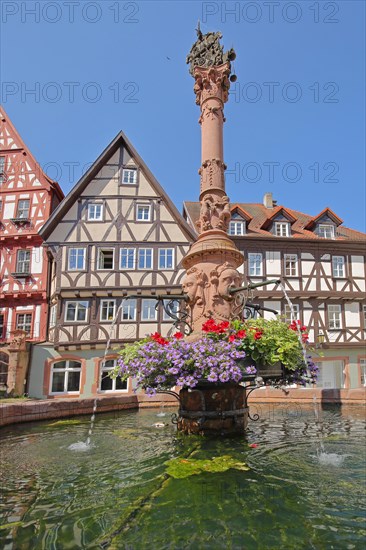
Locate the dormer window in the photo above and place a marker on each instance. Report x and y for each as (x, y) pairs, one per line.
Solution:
(129, 176)
(236, 227)
(282, 229)
(326, 231)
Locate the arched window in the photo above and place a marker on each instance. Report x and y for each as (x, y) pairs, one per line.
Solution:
(4, 367)
(65, 377)
(106, 383)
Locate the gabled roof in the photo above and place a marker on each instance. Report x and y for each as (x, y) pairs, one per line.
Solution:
(73, 195)
(279, 210)
(5, 121)
(328, 212)
(260, 214)
(236, 208)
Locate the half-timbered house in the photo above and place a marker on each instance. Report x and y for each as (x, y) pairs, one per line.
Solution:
(321, 266)
(27, 198)
(115, 234)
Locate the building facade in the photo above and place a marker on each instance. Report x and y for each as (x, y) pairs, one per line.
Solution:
(320, 266)
(27, 198)
(115, 234)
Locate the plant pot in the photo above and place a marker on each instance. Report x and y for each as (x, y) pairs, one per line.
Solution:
(265, 371)
(213, 408)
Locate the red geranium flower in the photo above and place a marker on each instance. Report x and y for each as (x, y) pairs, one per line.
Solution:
(178, 335)
(258, 335)
(241, 334)
(232, 338)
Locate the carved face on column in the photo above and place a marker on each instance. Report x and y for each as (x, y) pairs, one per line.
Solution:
(193, 284)
(225, 277)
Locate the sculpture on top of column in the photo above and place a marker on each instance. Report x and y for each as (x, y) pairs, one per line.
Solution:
(213, 258)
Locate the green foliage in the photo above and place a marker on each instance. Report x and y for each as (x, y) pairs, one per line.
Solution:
(180, 467)
(275, 342)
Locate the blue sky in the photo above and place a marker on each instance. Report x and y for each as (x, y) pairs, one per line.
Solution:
(295, 117)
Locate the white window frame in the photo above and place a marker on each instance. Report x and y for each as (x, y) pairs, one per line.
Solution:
(324, 228)
(282, 229)
(338, 267)
(150, 308)
(131, 254)
(363, 371)
(291, 265)
(104, 369)
(288, 314)
(2, 164)
(53, 315)
(128, 307)
(78, 251)
(108, 305)
(364, 316)
(237, 227)
(126, 174)
(83, 303)
(99, 257)
(27, 322)
(257, 258)
(93, 215)
(141, 208)
(2, 326)
(334, 317)
(144, 256)
(21, 210)
(23, 265)
(163, 258)
(66, 371)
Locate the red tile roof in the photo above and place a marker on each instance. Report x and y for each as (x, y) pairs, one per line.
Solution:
(260, 215)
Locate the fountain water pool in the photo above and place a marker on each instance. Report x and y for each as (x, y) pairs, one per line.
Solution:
(118, 494)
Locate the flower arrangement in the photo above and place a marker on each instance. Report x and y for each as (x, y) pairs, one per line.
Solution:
(159, 363)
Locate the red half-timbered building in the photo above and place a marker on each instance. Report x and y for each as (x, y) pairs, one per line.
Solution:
(27, 198)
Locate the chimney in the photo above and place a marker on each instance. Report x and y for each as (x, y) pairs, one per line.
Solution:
(268, 200)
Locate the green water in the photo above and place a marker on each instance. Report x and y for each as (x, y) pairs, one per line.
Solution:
(117, 494)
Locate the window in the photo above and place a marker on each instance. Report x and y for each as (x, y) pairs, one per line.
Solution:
(2, 326)
(143, 213)
(76, 311)
(334, 316)
(23, 261)
(255, 265)
(23, 209)
(105, 258)
(166, 258)
(174, 308)
(53, 315)
(65, 377)
(326, 231)
(363, 371)
(4, 367)
(128, 258)
(364, 317)
(282, 229)
(338, 266)
(76, 259)
(145, 258)
(290, 265)
(24, 322)
(95, 212)
(129, 176)
(106, 382)
(236, 228)
(129, 310)
(107, 310)
(2, 168)
(331, 374)
(148, 311)
(289, 316)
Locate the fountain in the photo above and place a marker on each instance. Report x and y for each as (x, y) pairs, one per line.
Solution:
(140, 487)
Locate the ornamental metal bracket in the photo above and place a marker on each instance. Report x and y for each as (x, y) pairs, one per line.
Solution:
(241, 295)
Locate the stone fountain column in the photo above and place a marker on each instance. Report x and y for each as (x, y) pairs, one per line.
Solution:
(212, 260)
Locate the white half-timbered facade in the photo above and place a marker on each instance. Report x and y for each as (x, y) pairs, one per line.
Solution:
(116, 234)
(322, 267)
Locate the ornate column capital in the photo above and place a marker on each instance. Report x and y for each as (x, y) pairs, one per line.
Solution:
(212, 83)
